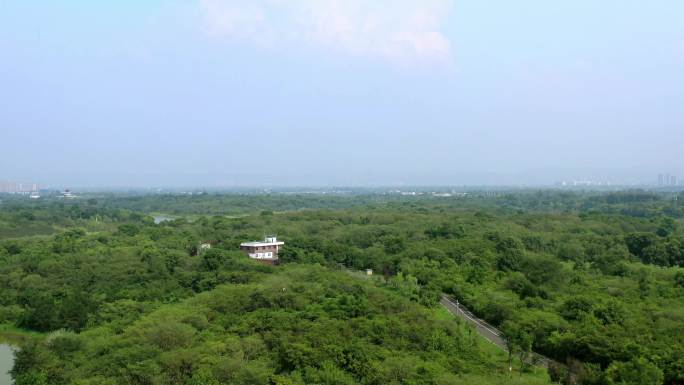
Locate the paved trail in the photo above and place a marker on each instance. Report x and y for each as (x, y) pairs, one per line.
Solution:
(489, 332)
(486, 330)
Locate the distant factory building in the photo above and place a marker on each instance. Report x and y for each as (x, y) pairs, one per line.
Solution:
(265, 251)
(68, 194)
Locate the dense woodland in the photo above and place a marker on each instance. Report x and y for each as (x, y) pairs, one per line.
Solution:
(106, 296)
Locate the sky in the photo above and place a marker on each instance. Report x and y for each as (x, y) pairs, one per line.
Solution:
(224, 93)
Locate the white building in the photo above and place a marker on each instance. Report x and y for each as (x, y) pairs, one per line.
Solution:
(68, 194)
(264, 251)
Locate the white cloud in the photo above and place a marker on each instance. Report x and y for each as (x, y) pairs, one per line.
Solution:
(396, 30)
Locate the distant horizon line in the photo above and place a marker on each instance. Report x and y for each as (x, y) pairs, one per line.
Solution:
(342, 188)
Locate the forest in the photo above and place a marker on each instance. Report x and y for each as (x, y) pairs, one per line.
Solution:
(101, 294)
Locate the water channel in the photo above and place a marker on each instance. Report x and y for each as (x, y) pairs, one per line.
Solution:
(159, 219)
(6, 361)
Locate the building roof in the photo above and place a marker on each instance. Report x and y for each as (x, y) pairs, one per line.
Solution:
(262, 243)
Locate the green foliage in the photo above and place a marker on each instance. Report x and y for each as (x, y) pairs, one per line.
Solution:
(510, 254)
(593, 281)
(635, 372)
(301, 325)
(518, 342)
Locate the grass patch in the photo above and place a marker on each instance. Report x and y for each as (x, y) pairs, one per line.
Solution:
(13, 335)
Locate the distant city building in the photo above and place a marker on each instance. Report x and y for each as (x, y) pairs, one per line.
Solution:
(265, 251)
(34, 195)
(18, 188)
(667, 180)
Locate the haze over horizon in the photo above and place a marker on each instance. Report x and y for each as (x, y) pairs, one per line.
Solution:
(222, 93)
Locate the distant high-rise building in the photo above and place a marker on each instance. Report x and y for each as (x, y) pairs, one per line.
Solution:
(661, 180)
(14, 187)
(673, 180)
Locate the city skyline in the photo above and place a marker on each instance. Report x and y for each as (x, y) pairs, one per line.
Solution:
(18, 187)
(662, 180)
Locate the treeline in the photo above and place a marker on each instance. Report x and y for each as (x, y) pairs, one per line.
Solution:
(236, 204)
(635, 203)
(20, 217)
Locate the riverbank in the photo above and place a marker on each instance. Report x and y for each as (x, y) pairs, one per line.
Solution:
(11, 338)
(12, 335)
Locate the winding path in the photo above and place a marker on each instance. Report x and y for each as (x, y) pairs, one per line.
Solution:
(489, 332)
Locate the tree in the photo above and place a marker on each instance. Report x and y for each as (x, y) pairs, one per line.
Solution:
(169, 335)
(666, 227)
(13, 248)
(213, 259)
(478, 270)
(30, 364)
(75, 308)
(519, 284)
(129, 229)
(639, 371)
(203, 377)
(41, 313)
(637, 242)
(541, 270)
(679, 279)
(576, 308)
(570, 251)
(510, 254)
(518, 342)
(612, 261)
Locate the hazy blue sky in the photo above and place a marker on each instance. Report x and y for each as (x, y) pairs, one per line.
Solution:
(349, 92)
